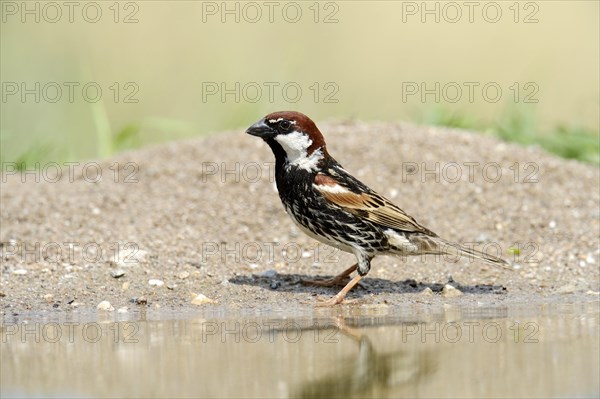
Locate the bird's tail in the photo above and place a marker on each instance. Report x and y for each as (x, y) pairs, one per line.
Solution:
(470, 253)
(438, 246)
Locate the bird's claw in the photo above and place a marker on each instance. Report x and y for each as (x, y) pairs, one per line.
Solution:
(330, 302)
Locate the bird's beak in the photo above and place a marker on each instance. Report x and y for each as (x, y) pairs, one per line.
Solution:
(262, 130)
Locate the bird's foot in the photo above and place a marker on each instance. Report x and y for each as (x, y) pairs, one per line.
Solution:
(342, 294)
(330, 302)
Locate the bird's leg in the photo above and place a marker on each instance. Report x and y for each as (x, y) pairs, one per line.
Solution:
(341, 279)
(342, 294)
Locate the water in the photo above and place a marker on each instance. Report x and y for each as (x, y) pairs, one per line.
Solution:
(516, 351)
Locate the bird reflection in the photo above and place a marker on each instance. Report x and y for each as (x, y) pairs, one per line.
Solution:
(370, 373)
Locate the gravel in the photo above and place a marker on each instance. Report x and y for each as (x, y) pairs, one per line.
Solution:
(203, 217)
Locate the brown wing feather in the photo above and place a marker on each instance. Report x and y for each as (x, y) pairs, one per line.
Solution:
(375, 208)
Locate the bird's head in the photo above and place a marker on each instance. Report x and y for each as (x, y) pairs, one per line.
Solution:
(292, 135)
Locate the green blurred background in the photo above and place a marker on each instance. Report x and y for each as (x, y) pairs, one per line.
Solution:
(162, 65)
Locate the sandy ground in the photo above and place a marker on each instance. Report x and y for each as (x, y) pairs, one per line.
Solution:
(167, 223)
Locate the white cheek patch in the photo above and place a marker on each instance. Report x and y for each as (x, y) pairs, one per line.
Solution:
(295, 145)
(310, 163)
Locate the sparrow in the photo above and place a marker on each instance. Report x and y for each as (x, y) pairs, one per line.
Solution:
(332, 206)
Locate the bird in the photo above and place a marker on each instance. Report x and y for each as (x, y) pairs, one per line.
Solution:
(330, 205)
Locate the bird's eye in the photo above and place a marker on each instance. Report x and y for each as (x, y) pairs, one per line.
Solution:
(285, 125)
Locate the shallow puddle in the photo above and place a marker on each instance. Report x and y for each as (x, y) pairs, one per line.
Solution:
(541, 351)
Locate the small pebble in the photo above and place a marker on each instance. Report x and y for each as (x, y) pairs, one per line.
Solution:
(201, 299)
(20, 272)
(427, 291)
(451, 292)
(566, 289)
(48, 297)
(590, 259)
(481, 237)
(268, 273)
(122, 310)
(171, 286)
(275, 285)
(105, 305)
(156, 283)
(117, 273)
(552, 224)
(139, 301)
(183, 275)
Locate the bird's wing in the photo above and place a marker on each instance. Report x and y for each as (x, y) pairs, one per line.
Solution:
(353, 196)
